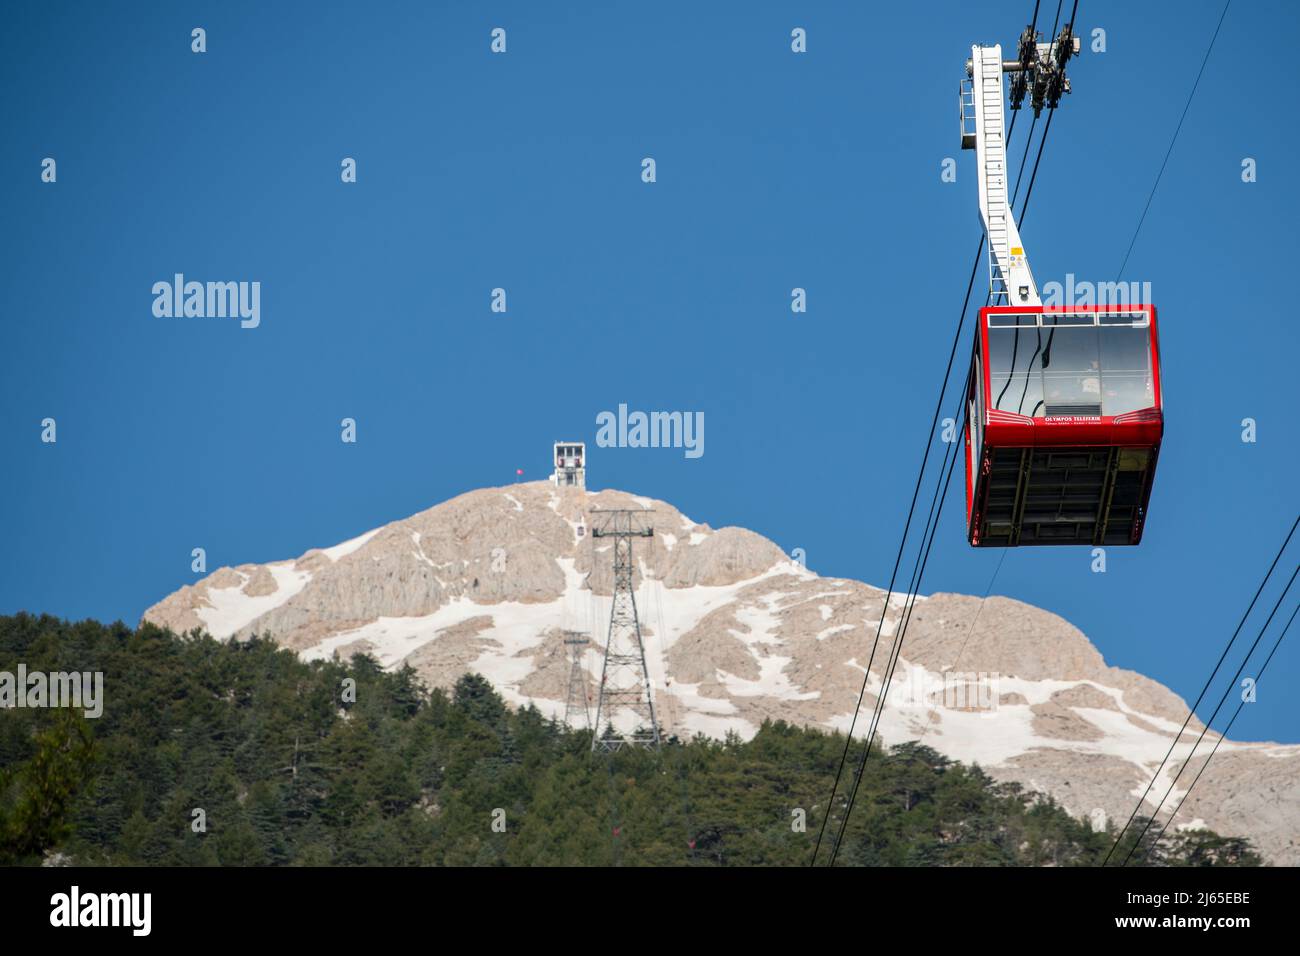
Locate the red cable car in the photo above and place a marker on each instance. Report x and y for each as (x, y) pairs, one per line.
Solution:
(1063, 425)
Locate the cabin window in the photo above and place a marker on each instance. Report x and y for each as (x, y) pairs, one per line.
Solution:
(1071, 364)
(1015, 369)
(1069, 368)
(999, 320)
(1126, 381)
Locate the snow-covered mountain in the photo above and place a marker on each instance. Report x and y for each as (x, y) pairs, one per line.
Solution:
(735, 633)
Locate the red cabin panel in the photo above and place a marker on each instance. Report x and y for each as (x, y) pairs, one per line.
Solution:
(1064, 420)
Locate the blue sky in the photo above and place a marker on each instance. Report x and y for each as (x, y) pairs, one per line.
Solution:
(522, 171)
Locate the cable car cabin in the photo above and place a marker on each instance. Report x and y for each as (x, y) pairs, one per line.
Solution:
(1063, 425)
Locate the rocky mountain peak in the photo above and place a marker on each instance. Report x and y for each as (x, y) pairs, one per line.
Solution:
(737, 633)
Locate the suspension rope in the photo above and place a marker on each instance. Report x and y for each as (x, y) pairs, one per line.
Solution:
(1222, 737)
(1201, 696)
(1206, 729)
(923, 553)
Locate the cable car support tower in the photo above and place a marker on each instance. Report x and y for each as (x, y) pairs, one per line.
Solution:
(624, 679)
(576, 700)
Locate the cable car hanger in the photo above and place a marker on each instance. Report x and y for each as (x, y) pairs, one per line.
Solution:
(1040, 72)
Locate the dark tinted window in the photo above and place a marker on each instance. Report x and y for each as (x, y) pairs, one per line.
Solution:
(1002, 321)
(1122, 318)
(1068, 318)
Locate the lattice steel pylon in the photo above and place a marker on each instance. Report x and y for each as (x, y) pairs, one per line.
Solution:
(624, 678)
(576, 700)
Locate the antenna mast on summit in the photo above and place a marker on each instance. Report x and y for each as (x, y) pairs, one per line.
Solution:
(624, 678)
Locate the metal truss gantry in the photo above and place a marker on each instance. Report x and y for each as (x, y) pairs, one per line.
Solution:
(576, 700)
(624, 679)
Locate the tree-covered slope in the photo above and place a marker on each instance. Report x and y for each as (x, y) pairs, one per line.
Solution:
(239, 753)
